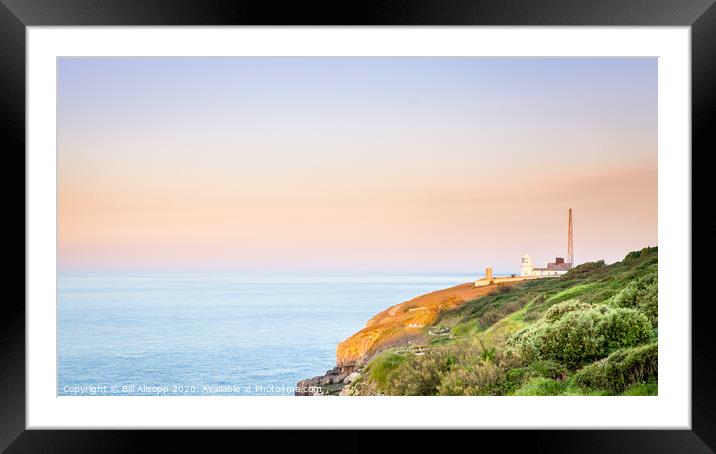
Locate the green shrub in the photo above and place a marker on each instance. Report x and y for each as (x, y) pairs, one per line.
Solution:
(514, 378)
(625, 328)
(478, 380)
(382, 365)
(586, 268)
(556, 312)
(418, 375)
(464, 368)
(642, 294)
(575, 334)
(621, 369)
(546, 369)
(517, 376)
(540, 386)
(633, 255)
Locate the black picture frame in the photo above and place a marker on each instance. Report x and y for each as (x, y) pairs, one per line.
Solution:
(16, 15)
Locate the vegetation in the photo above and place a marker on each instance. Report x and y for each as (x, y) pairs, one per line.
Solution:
(592, 331)
(575, 333)
(622, 369)
(541, 386)
(381, 367)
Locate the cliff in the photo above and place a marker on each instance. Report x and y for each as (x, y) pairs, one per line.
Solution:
(402, 324)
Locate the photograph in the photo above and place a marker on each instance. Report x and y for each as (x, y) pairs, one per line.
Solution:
(357, 226)
(441, 216)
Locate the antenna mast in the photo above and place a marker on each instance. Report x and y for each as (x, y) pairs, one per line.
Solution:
(570, 241)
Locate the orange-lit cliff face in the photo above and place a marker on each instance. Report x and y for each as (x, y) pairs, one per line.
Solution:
(403, 322)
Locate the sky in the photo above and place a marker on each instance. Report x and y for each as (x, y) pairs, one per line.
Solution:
(352, 164)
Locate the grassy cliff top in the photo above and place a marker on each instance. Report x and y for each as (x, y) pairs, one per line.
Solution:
(591, 331)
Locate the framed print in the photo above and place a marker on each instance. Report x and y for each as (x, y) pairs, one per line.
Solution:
(439, 217)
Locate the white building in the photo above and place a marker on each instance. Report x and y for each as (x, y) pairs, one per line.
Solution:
(556, 268)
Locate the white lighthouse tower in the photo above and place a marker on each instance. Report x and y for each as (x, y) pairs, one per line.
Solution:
(526, 266)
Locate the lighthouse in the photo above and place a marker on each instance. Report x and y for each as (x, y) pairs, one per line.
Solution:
(526, 266)
(556, 268)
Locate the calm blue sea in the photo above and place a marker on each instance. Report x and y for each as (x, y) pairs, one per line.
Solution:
(209, 334)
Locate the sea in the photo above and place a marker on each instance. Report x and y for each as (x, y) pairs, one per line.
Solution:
(214, 334)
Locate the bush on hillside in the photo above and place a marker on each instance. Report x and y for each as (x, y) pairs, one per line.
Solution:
(633, 255)
(464, 368)
(517, 376)
(625, 328)
(586, 267)
(546, 369)
(556, 312)
(574, 335)
(642, 294)
(482, 379)
(420, 373)
(382, 365)
(621, 369)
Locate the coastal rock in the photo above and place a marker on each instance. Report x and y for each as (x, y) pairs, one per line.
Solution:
(329, 384)
(351, 378)
(308, 387)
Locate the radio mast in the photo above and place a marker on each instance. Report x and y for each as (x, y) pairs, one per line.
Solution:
(570, 241)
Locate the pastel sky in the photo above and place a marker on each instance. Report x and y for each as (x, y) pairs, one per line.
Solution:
(352, 164)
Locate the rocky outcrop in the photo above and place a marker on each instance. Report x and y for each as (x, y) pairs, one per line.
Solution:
(329, 384)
